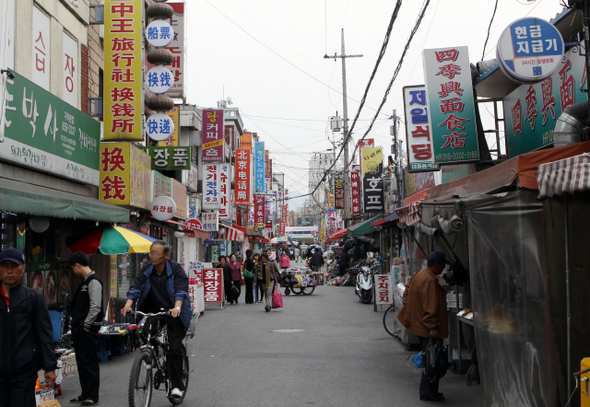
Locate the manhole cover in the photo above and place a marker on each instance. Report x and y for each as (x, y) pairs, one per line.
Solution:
(285, 331)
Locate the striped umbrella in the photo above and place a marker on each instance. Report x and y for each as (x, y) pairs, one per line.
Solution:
(109, 240)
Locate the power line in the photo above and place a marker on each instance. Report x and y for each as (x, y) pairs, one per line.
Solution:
(483, 54)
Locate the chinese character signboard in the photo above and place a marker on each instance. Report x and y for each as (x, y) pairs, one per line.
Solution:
(173, 114)
(355, 192)
(169, 158)
(529, 50)
(339, 193)
(259, 211)
(451, 107)
(531, 111)
(212, 135)
(224, 191)
(161, 185)
(420, 149)
(43, 132)
(124, 175)
(211, 187)
(210, 221)
(213, 281)
(123, 70)
(372, 169)
(259, 169)
(242, 180)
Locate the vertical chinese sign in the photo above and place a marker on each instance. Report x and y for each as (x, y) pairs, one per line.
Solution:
(123, 70)
(451, 107)
(242, 181)
(211, 187)
(225, 191)
(259, 166)
(259, 211)
(213, 282)
(372, 170)
(420, 149)
(355, 193)
(212, 135)
(338, 193)
(124, 175)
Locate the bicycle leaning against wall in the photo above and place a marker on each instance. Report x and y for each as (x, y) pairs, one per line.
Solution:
(151, 369)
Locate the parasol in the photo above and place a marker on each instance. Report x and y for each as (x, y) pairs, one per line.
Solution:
(109, 240)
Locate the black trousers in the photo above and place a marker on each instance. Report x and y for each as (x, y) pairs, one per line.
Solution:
(427, 388)
(238, 284)
(176, 333)
(260, 285)
(86, 347)
(249, 292)
(18, 390)
(227, 289)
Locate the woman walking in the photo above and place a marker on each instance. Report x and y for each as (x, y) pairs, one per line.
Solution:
(249, 277)
(236, 276)
(285, 261)
(267, 272)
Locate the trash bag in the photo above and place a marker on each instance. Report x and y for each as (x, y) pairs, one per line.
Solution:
(435, 359)
(417, 359)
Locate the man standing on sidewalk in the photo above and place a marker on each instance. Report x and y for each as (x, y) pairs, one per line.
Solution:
(425, 314)
(87, 314)
(26, 335)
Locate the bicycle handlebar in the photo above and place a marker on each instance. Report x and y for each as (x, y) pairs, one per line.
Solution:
(157, 314)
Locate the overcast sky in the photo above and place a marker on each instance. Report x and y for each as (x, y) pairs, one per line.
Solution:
(268, 57)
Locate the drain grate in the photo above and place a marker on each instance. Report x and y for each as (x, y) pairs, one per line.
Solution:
(285, 331)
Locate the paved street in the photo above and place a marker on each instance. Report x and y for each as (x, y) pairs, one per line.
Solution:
(326, 349)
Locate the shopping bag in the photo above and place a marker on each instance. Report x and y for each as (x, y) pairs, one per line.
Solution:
(277, 298)
(435, 359)
(235, 291)
(417, 359)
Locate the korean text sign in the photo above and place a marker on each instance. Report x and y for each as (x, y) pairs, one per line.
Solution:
(42, 131)
(418, 136)
(372, 169)
(213, 282)
(259, 164)
(123, 70)
(451, 107)
(225, 191)
(169, 158)
(243, 175)
(211, 187)
(212, 135)
(383, 289)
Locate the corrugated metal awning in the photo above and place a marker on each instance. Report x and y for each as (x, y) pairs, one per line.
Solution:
(568, 175)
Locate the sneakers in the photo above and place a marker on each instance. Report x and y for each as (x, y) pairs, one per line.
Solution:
(267, 308)
(78, 399)
(176, 393)
(89, 402)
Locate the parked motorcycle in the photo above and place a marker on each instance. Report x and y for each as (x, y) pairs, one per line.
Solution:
(364, 285)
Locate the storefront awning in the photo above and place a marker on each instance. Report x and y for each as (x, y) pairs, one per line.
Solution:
(337, 235)
(564, 176)
(386, 221)
(364, 227)
(19, 197)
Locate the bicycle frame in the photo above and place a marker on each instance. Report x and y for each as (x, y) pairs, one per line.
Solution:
(156, 345)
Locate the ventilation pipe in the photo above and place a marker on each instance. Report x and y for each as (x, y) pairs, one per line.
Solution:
(448, 226)
(569, 126)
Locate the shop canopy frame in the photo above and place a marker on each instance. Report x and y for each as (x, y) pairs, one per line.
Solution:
(364, 227)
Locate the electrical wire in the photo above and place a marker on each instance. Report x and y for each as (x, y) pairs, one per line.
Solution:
(483, 54)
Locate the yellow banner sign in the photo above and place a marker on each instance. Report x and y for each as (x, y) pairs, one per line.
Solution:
(123, 70)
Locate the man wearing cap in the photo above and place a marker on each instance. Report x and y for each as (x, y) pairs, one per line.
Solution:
(87, 315)
(26, 335)
(425, 314)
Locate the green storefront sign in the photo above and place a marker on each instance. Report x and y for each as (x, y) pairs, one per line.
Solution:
(169, 157)
(43, 132)
(531, 111)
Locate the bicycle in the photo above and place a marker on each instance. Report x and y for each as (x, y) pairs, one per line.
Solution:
(390, 321)
(151, 368)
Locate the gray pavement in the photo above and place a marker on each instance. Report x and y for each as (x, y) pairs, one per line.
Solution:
(326, 349)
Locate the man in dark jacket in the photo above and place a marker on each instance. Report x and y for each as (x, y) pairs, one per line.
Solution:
(317, 259)
(164, 285)
(87, 314)
(26, 335)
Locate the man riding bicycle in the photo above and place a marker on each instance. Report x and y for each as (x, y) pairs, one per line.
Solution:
(163, 284)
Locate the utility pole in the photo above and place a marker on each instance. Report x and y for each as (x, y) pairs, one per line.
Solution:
(345, 126)
(396, 150)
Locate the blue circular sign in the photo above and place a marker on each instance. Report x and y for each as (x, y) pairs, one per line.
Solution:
(159, 126)
(530, 50)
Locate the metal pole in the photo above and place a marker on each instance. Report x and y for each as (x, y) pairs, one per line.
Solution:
(346, 135)
(567, 299)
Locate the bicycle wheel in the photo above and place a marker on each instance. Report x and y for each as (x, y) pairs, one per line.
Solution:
(389, 319)
(185, 372)
(140, 381)
(297, 290)
(308, 290)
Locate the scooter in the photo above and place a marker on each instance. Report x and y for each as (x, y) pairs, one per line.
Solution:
(364, 285)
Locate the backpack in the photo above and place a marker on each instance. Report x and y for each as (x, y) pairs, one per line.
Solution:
(31, 307)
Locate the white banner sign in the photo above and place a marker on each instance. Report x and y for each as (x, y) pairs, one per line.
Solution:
(70, 70)
(41, 45)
